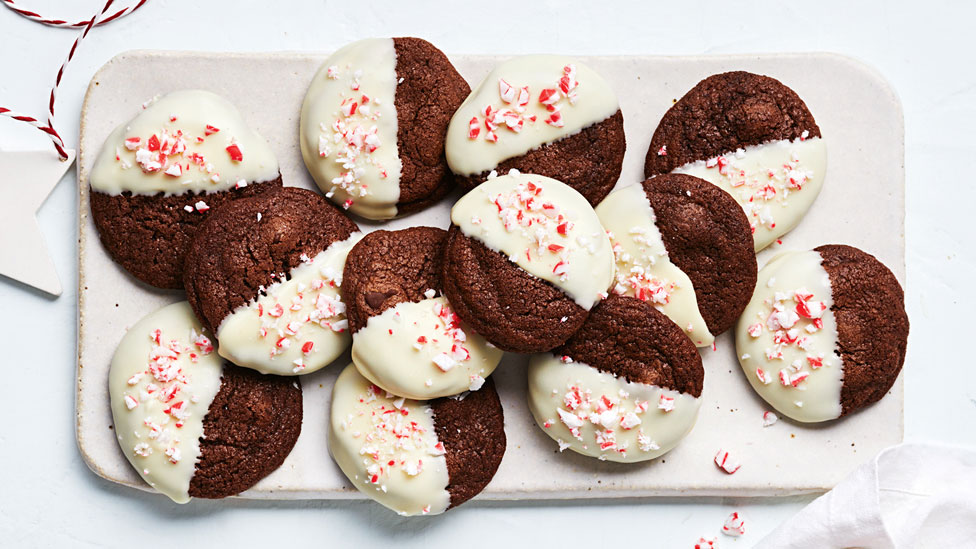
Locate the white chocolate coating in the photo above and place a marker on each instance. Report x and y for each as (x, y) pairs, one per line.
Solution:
(348, 132)
(369, 428)
(299, 325)
(786, 339)
(775, 183)
(163, 378)
(543, 226)
(421, 350)
(185, 141)
(533, 100)
(600, 415)
(643, 269)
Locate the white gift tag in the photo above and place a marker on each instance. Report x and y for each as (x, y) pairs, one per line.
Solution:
(26, 180)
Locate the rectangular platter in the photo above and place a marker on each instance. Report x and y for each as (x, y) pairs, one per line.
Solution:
(862, 204)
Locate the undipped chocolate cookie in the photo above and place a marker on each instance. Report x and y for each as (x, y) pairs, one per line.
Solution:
(264, 274)
(158, 175)
(825, 333)
(542, 114)
(754, 138)
(191, 424)
(373, 125)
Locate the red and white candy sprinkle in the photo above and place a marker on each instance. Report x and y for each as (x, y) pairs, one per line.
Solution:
(477, 382)
(165, 381)
(394, 433)
(705, 543)
(633, 274)
(447, 330)
(666, 403)
(734, 525)
(790, 318)
(725, 462)
(758, 190)
(606, 413)
(173, 152)
(510, 112)
(283, 320)
(527, 210)
(352, 137)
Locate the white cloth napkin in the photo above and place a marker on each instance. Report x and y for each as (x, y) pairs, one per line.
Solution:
(911, 495)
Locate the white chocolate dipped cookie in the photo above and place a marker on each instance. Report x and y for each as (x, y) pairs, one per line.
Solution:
(406, 337)
(175, 407)
(265, 274)
(526, 259)
(685, 247)
(421, 350)
(544, 114)
(754, 138)
(373, 124)
(159, 174)
(188, 141)
(297, 325)
(604, 395)
(414, 457)
(824, 334)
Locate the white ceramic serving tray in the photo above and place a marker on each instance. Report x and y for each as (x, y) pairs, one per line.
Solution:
(862, 204)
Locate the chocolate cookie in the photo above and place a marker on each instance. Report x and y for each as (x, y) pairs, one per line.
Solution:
(684, 246)
(159, 175)
(249, 430)
(526, 259)
(406, 337)
(373, 125)
(626, 387)
(541, 114)
(588, 161)
(754, 138)
(415, 457)
(472, 429)
(149, 235)
(264, 274)
(188, 422)
(390, 267)
(825, 334)
(872, 325)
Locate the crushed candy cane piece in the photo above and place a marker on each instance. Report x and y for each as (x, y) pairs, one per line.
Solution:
(235, 153)
(734, 525)
(725, 462)
(510, 111)
(666, 403)
(477, 382)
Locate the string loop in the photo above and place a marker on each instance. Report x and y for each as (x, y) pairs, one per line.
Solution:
(100, 18)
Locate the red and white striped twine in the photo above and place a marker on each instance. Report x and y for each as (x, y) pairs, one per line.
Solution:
(38, 18)
(100, 18)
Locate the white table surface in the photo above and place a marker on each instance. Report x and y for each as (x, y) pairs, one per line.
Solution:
(49, 497)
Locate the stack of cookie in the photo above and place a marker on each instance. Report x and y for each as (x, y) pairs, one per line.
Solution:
(611, 292)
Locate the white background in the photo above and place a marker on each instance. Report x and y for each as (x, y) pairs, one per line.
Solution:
(49, 498)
